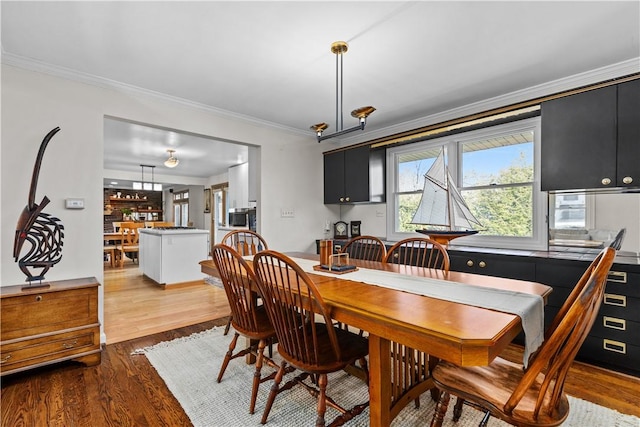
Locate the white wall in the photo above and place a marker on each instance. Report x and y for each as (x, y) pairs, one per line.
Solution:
(34, 103)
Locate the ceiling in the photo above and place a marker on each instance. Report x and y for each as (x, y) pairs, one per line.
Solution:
(270, 61)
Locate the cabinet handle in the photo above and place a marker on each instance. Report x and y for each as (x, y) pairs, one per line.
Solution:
(70, 345)
(348, 199)
(627, 180)
(617, 346)
(614, 323)
(482, 264)
(606, 181)
(38, 298)
(5, 358)
(617, 276)
(470, 263)
(613, 299)
(342, 199)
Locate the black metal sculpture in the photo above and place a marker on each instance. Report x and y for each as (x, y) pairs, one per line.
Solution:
(42, 231)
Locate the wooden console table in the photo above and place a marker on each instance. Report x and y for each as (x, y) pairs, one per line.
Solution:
(42, 326)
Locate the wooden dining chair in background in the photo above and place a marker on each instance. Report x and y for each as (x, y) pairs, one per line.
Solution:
(532, 396)
(413, 367)
(307, 340)
(245, 242)
(249, 319)
(420, 252)
(368, 248)
(129, 239)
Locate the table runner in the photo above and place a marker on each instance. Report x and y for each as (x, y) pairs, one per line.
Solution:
(530, 308)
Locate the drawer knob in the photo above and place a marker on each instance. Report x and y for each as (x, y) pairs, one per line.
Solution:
(627, 180)
(470, 263)
(39, 298)
(482, 264)
(342, 199)
(5, 358)
(606, 181)
(348, 198)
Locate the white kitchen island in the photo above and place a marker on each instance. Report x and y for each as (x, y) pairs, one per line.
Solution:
(171, 256)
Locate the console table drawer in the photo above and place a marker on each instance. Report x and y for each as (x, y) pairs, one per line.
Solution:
(35, 313)
(49, 324)
(37, 351)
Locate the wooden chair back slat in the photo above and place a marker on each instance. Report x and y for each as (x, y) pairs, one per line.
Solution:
(367, 248)
(418, 251)
(566, 334)
(237, 277)
(245, 242)
(293, 305)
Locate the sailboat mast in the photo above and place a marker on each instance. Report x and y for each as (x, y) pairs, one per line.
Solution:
(449, 202)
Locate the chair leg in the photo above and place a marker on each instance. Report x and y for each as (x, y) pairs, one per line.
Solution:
(257, 376)
(457, 410)
(322, 400)
(274, 391)
(227, 357)
(441, 410)
(226, 328)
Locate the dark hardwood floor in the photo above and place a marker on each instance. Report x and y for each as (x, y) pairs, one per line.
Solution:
(125, 390)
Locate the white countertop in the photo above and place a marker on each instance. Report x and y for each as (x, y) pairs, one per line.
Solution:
(161, 232)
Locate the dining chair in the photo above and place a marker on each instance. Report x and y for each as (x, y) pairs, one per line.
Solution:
(307, 340)
(368, 248)
(129, 241)
(249, 319)
(616, 243)
(245, 242)
(420, 252)
(533, 396)
(413, 367)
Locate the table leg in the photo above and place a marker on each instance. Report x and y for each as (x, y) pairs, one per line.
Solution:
(379, 381)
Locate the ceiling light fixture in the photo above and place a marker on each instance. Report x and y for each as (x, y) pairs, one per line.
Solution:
(149, 186)
(171, 162)
(339, 48)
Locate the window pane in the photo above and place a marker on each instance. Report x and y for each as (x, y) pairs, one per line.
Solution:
(506, 211)
(412, 167)
(407, 205)
(503, 160)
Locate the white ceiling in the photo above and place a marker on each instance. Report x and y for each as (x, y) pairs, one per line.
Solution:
(270, 61)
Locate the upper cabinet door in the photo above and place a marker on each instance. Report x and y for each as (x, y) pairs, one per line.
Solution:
(579, 141)
(356, 174)
(629, 134)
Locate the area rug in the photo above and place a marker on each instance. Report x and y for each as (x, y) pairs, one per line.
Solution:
(189, 366)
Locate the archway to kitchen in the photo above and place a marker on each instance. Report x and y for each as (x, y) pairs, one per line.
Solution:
(135, 305)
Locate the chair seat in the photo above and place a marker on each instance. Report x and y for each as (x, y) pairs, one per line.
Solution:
(265, 329)
(128, 248)
(491, 386)
(352, 347)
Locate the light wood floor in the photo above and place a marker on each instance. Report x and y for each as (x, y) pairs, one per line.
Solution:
(135, 306)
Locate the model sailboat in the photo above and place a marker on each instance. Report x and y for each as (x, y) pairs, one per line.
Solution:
(442, 207)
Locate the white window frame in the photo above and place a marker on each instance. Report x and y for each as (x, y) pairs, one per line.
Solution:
(539, 238)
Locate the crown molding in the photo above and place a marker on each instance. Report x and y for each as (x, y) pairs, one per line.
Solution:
(90, 79)
(597, 75)
(586, 78)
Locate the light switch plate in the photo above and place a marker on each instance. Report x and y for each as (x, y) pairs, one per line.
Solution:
(74, 203)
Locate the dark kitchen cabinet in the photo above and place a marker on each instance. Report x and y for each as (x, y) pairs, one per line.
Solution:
(628, 173)
(507, 266)
(354, 175)
(613, 340)
(590, 140)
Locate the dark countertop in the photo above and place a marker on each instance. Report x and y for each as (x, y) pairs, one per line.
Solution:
(555, 252)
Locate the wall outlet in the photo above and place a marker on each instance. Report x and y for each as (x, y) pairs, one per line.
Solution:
(287, 213)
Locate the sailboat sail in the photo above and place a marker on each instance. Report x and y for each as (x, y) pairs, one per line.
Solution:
(442, 204)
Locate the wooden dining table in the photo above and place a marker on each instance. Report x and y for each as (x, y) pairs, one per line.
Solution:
(462, 334)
